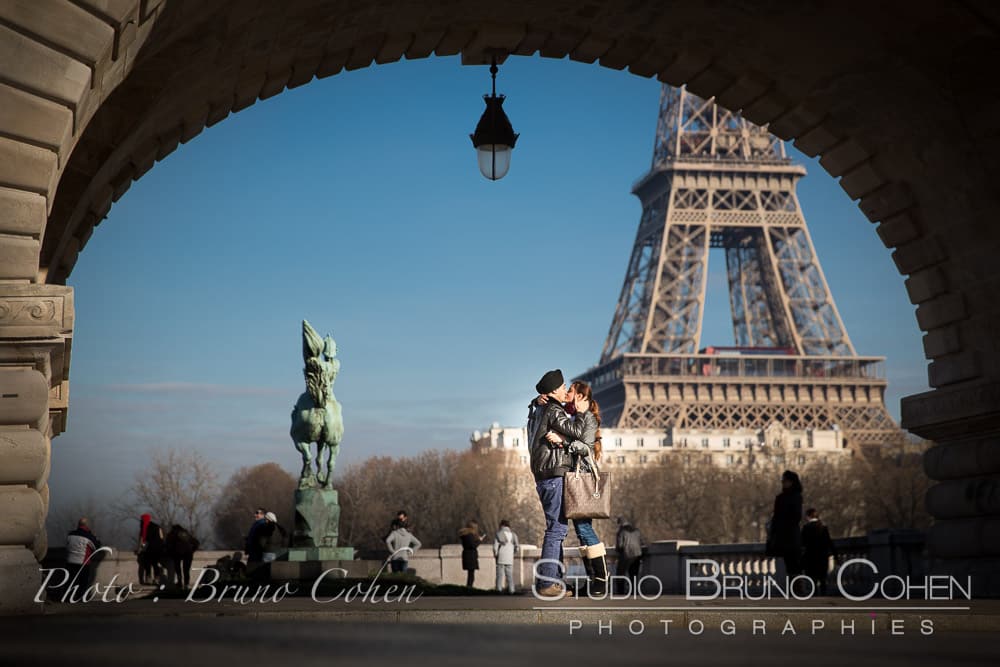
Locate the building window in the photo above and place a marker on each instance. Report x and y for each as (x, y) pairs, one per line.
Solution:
(779, 459)
(643, 459)
(704, 442)
(797, 443)
(730, 459)
(524, 459)
(802, 460)
(638, 442)
(620, 459)
(684, 442)
(517, 442)
(618, 442)
(725, 442)
(665, 443)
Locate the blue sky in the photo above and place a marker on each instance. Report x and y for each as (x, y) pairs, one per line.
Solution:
(355, 202)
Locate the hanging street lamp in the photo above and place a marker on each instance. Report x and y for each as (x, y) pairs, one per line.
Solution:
(494, 137)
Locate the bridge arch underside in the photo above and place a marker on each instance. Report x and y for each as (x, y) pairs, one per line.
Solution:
(94, 92)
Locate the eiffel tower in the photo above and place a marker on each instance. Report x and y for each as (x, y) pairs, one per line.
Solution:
(719, 181)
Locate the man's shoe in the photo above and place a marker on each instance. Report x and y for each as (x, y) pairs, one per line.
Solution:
(551, 591)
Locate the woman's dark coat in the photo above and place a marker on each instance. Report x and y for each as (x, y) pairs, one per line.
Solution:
(785, 535)
(470, 550)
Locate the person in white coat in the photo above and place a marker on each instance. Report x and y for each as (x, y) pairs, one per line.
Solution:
(505, 546)
(402, 544)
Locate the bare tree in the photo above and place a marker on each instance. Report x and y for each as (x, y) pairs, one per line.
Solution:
(366, 506)
(179, 486)
(266, 485)
(103, 520)
(745, 499)
(439, 490)
(895, 486)
(689, 497)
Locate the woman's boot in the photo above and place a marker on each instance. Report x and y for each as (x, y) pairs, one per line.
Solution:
(599, 582)
(588, 567)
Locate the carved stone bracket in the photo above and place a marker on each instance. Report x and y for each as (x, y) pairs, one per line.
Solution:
(953, 412)
(964, 421)
(36, 332)
(35, 311)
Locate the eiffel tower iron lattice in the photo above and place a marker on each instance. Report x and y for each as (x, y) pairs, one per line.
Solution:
(719, 181)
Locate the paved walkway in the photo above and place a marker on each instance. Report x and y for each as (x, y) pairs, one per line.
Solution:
(82, 639)
(503, 630)
(393, 606)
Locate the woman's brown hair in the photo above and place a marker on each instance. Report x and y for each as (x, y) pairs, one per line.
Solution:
(471, 528)
(583, 389)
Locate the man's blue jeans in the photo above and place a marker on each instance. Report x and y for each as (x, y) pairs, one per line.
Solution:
(550, 492)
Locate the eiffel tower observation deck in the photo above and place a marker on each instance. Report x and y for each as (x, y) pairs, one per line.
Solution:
(719, 181)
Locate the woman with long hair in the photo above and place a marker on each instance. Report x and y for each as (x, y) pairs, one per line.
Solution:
(587, 451)
(784, 538)
(471, 539)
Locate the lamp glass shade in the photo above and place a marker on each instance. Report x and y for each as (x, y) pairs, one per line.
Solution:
(494, 160)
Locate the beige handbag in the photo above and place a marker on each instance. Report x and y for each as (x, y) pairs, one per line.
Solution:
(587, 495)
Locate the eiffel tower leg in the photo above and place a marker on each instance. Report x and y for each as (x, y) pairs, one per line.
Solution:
(759, 319)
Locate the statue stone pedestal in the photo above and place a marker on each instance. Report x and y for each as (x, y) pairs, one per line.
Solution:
(317, 526)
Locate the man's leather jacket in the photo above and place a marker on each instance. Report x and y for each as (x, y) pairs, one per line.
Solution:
(548, 460)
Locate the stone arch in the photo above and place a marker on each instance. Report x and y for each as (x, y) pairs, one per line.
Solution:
(97, 91)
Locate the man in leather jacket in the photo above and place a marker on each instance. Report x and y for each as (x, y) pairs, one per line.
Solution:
(549, 464)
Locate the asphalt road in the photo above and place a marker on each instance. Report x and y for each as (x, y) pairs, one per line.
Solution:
(245, 642)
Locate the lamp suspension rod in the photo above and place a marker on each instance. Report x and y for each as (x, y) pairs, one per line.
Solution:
(493, 120)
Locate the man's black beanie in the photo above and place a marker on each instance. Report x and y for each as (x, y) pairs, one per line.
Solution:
(550, 382)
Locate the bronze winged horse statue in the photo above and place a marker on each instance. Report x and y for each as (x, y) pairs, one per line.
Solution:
(316, 416)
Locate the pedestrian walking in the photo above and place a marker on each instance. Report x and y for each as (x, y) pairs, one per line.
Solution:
(817, 547)
(272, 537)
(180, 546)
(81, 545)
(628, 544)
(471, 538)
(254, 547)
(784, 539)
(152, 554)
(505, 547)
(402, 544)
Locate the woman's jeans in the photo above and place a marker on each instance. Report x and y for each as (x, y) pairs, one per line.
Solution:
(585, 532)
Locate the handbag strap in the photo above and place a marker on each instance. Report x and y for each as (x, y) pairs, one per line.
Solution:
(593, 471)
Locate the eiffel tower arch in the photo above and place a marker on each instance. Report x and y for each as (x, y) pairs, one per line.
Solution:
(719, 181)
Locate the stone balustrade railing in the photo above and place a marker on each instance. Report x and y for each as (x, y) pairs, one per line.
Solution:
(666, 567)
(687, 567)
